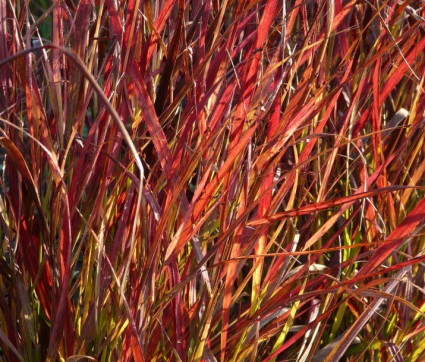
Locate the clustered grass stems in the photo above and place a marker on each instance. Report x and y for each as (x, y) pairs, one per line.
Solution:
(212, 180)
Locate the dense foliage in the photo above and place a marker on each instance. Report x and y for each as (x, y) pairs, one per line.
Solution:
(212, 180)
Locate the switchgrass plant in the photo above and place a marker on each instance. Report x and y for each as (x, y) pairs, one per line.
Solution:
(212, 180)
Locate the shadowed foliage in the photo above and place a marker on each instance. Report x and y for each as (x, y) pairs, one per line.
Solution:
(212, 180)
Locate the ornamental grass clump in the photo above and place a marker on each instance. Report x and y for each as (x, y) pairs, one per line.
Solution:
(212, 180)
